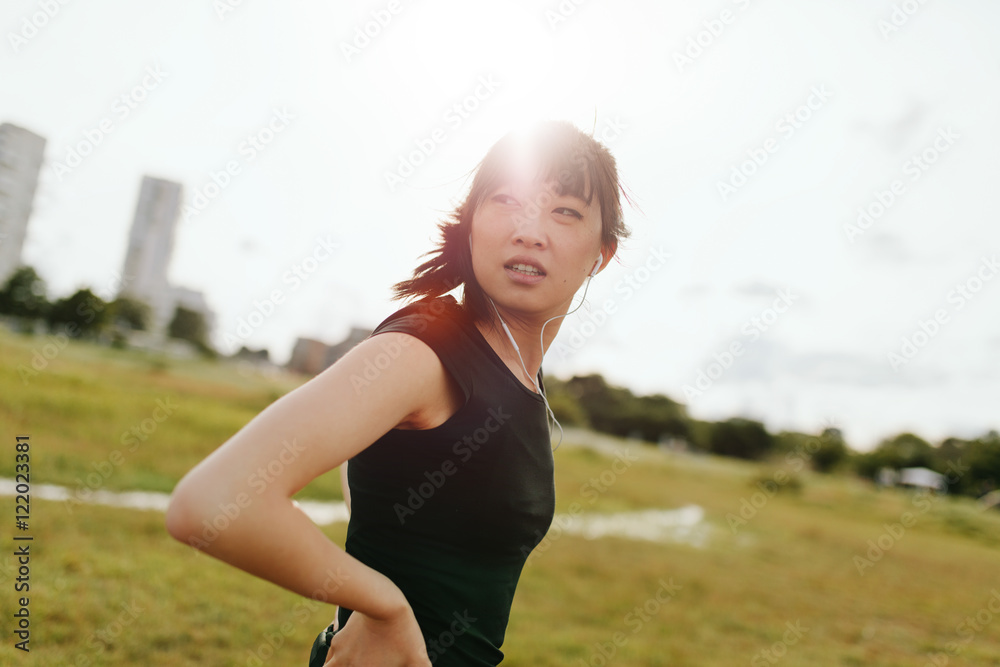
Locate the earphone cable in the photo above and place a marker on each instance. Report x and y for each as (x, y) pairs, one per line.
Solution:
(541, 339)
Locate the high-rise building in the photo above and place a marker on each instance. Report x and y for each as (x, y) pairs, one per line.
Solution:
(150, 244)
(147, 259)
(21, 155)
(151, 241)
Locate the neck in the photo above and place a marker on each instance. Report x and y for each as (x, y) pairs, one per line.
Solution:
(527, 334)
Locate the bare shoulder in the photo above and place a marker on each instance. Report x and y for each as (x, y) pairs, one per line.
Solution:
(394, 357)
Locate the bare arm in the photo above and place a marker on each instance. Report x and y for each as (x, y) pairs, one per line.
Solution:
(236, 504)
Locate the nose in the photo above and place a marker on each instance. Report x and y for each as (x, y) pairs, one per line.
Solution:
(528, 231)
(528, 226)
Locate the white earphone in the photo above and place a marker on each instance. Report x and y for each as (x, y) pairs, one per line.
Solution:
(597, 264)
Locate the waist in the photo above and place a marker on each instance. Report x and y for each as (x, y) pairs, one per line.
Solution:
(456, 596)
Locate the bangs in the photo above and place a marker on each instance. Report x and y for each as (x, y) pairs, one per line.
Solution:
(550, 157)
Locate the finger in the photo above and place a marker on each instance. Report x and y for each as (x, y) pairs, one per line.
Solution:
(329, 653)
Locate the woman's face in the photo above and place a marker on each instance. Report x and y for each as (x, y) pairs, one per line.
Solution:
(532, 248)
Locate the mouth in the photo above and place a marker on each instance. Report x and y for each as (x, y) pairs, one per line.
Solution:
(525, 266)
(526, 269)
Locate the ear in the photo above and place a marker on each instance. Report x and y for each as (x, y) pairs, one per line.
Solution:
(608, 251)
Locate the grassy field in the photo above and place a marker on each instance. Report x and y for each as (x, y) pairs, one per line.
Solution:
(827, 574)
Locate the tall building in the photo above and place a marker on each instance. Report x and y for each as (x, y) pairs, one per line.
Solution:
(151, 241)
(150, 245)
(147, 259)
(21, 155)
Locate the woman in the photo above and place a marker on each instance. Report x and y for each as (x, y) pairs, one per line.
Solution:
(442, 415)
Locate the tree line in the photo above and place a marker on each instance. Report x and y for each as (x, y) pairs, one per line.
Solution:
(971, 467)
(84, 314)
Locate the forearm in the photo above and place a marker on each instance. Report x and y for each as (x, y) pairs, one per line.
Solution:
(276, 541)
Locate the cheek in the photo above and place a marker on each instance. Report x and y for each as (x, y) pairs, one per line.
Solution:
(487, 228)
(581, 252)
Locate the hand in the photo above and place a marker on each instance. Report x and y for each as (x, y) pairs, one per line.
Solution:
(395, 641)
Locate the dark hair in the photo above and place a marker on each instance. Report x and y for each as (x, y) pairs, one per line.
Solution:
(566, 155)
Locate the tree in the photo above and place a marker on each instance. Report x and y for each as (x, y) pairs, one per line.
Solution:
(656, 416)
(603, 404)
(564, 404)
(972, 466)
(83, 313)
(742, 438)
(984, 464)
(832, 451)
(190, 325)
(24, 295)
(618, 411)
(700, 434)
(905, 450)
(130, 313)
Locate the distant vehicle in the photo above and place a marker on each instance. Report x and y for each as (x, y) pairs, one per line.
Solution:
(913, 478)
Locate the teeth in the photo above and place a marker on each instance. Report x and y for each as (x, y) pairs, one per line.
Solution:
(526, 268)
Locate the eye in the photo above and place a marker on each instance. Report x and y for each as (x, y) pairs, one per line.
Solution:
(501, 198)
(569, 211)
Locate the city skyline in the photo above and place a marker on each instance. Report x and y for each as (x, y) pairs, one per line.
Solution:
(143, 276)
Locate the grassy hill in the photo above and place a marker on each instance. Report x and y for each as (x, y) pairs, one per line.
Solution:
(820, 571)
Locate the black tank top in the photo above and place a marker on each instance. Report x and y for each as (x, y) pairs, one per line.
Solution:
(451, 513)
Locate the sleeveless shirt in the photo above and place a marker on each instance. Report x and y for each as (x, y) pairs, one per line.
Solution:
(451, 513)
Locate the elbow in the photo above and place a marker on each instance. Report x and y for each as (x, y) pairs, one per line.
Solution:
(184, 517)
(201, 511)
(177, 520)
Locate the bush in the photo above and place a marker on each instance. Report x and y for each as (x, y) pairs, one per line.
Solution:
(742, 438)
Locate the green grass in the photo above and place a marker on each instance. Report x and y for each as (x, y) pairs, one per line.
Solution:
(83, 406)
(792, 562)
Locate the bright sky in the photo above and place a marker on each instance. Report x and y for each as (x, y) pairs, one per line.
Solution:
(750, 133)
